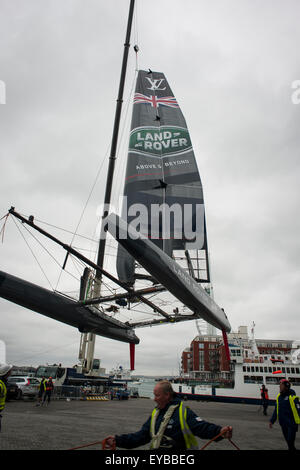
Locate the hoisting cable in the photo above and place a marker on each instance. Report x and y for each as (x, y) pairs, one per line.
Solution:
(66, 231)
(45, 249)
(30, 249)
(136, 50)
(82, 214)
(78, 255)
(3, 227)
(124, 129)
(136, 37)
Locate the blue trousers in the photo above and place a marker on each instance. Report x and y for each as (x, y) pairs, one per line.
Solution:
(289, 433)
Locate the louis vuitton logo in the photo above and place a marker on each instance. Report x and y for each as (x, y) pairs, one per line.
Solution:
(155, 84)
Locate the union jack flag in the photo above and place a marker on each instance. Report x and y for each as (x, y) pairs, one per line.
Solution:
(155, 101)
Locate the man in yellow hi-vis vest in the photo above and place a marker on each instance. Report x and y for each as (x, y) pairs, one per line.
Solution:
(287, 411)
(5, 371)
(42, 391)
(171, 425)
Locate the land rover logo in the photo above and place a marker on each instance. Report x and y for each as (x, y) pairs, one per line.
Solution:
(165, 140)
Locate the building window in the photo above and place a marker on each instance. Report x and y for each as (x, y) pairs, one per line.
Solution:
(253, 379)
(273, 380)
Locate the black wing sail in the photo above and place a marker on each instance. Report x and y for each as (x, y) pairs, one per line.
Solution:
(162, 179)
(164, 220)
(169, 273)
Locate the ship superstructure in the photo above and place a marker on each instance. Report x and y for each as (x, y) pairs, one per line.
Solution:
(207, 374)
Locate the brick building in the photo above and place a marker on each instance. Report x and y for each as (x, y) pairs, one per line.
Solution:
(205, 359)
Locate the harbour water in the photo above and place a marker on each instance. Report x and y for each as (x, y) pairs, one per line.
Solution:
(145, 389)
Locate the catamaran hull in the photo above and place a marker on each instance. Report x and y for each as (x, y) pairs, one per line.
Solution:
(163, 268)
(60, 308)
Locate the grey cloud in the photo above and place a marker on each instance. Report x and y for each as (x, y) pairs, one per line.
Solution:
(231, 66)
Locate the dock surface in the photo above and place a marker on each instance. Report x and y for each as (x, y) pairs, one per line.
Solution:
(67, 424)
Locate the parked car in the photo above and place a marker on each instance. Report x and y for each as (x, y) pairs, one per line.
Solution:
(28, 386)
(119, 394)
(13, 392)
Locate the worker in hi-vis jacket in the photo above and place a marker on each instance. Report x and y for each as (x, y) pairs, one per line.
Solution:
(5, 371)
(287, 411)
(172, 425)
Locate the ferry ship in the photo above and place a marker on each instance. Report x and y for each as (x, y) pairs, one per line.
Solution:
(249, 370)
(119, 374)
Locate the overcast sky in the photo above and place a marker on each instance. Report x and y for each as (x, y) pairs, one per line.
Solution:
(232, 65)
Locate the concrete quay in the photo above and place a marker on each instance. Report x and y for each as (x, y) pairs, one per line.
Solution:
(67, 424)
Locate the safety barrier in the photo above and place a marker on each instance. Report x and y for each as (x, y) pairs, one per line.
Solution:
(67, 391)
(91, 398)
(73, 392)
